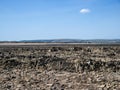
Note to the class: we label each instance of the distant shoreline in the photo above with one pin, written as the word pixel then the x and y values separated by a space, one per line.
pixel 59 44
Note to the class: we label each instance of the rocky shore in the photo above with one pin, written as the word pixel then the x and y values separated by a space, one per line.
pixel 71 67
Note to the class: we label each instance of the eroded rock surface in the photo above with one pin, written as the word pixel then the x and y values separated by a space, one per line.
pixel 73 67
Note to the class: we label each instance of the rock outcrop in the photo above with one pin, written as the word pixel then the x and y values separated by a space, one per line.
pixel 72 67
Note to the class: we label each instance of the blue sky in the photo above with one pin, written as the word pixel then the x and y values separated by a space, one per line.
pixel 59 19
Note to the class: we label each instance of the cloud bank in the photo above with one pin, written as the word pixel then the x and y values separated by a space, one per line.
pixel 85 10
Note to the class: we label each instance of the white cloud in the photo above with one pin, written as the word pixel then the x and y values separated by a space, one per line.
pixel 85 10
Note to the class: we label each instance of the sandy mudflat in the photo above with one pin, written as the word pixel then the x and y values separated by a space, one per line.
pixel 57 44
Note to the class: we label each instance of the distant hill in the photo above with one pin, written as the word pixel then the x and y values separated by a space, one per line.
pixel 74 41
pixel 99 41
